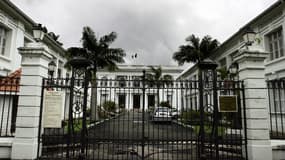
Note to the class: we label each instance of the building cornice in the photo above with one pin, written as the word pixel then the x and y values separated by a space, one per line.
pixel 217 52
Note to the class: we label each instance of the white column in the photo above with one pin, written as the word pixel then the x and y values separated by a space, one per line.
pixel 251 71
pixel 35 59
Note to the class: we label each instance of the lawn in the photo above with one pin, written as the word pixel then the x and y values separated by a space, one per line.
pixel 77 124
pixel 208 130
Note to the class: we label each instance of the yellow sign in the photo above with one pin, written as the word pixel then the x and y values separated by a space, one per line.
pixel 228 103
pixel 53 106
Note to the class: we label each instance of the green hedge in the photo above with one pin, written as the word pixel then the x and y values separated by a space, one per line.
pixel 192 116
pixel 109 106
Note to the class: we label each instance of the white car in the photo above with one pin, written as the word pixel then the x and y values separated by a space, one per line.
pixel 161 114
pixel 174 113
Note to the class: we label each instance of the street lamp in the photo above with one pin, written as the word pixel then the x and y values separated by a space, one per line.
pixel 234 69
pixel 39 32
pixel 51 68
pixel 248 36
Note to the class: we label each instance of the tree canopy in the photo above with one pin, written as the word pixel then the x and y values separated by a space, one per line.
pixel 98 50
pixel 195 50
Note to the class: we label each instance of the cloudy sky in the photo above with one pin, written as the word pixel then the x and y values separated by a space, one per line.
pixel 151 28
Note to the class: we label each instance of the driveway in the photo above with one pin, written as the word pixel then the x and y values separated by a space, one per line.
pixel 122 138
pixel 129 127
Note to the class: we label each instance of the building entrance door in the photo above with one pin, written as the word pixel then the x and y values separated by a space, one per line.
pixel 136 101
pixel 151 101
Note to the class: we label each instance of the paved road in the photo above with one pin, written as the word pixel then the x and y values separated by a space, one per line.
pixel 129 127
pixel 121 138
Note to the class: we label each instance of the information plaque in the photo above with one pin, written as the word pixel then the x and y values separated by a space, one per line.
pixel 228 103
pixel 53 105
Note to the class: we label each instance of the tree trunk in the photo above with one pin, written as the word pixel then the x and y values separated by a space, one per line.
pixel 93 107
pixel 157 94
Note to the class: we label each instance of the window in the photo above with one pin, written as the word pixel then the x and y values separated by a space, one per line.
pixel 3 40
pixel 59 69
pixel 275 44
pixel 276 97
pixel 104 98
pixel 122 101
pixel 104 81
pixel 136 81
pixel 169 99
pixel 121 81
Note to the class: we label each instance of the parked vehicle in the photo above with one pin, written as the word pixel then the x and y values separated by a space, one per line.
pixel 174 113
pixel 161 114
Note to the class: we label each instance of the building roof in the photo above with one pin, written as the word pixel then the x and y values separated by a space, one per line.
pixel 254 20
pixel 138 68
pixel 11 83
pixel 17 13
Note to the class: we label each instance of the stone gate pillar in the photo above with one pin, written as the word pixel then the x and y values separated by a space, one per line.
pixel 251 71
pixel 35 59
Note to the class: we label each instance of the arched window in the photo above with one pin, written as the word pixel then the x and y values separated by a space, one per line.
pixel 136 81
pixel 104 81
pixel 121 81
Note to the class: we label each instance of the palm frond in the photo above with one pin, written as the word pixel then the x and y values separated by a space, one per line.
pixel 195 50
pixel 108 39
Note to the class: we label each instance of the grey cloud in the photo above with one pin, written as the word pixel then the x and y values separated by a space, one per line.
pixel 152 28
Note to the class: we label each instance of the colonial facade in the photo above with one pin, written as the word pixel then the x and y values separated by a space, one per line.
pixel 124 87
pixel 16 30
pixel 260 65
pixel 20 53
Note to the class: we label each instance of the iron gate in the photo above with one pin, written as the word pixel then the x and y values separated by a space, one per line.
pixel 123 123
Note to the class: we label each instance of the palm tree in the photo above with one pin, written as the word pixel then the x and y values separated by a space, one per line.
pixel 98 50
pixel 224 73
pixel 196 50
pixel 157 79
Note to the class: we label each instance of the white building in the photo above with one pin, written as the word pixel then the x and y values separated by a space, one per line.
pixel 16 41
pixel 269 28
pixel 259 62
pixel 124 87
pixel 16 30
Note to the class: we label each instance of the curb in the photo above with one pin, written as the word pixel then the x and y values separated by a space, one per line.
pixel 102 121
pixel 184 125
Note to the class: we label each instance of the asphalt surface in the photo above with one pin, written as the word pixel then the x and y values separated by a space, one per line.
pixel 131 127
pixel 130 136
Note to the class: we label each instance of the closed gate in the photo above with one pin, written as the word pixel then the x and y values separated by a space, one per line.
pixel 133 117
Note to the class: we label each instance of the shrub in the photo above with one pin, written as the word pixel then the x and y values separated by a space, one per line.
pixel 193 116
pixel 109 106
pixel 165 104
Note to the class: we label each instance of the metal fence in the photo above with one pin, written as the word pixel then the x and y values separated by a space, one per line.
pixel 9 89
pixel 276 101
pixel 126 125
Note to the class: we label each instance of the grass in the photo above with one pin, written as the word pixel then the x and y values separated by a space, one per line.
pixel 77 124
pixel 208 130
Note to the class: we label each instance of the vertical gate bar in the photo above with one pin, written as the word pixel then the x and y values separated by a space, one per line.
pixel 201 108
pixel 269 90
pixel 282 122
pixel 143 116
pixel 84 129
pixel 70 112
pixel 244 120
pixel 275 110
pixel 40 120
pixel 280 106
pixel 216 113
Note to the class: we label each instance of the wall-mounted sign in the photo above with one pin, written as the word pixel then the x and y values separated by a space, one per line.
pixel 53 104
pixel 228 103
